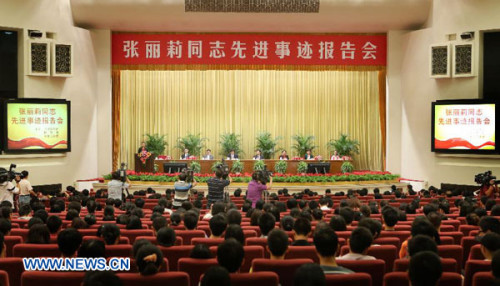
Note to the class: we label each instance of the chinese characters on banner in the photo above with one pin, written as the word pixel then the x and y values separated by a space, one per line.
pixel 248 49
pixel 464 116
pixel 41 119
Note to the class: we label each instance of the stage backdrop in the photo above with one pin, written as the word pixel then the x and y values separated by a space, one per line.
pixel 211 102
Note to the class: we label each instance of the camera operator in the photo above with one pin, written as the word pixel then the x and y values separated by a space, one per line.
pixel 216 186
pixel 488 189
pixel 116 186
pixel 25 189
pixel 7 188
pixel 182 188
pixel 257 185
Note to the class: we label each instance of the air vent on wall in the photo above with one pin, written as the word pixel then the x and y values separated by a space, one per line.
pixel 253 6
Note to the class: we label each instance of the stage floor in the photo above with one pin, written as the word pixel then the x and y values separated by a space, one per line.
pixel 292 187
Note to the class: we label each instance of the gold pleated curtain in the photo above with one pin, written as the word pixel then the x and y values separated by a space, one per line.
pixel 211 102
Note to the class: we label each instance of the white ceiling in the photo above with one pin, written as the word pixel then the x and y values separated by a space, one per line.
pixel 335 16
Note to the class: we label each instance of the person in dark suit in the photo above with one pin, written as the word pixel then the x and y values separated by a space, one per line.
pixel 258 155
pixel 309 155
pixel 142 148
pixel 283 155
pixel 186 155
pixel 232 156
pixel 208 155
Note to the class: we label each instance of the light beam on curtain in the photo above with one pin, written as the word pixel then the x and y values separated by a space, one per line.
pixel 211 102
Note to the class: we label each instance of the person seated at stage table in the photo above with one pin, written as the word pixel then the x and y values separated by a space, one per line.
pixel 208 155
pixel 309 155
pixel 142 148
pixel 232 155
pixel 335 156
pixel 283 155
pixel 186 154
pixel 258 155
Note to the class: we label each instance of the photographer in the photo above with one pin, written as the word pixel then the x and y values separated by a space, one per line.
pixel 25 189
pixel 182 188
pixel 257 185
pixel 488 189
pixel 116 186
pixel 7 188
pixel 216 186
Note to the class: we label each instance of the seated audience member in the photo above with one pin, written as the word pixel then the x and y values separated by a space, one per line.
pixel 200 251
pixel 425 269
pixel 216 276
pixel 266 223
pixel 277 244
pixel 421 243
pixel 216 208
pixel 5 226
pixel 134 223
pixel 435 219
pixel 489 224
pixel 309 274
pixel 33 221
pixel 3 249
pixel 326 243
pixel 390 217
pixel 166 237
pixel 138 244
pixel 158 223
pixel 230 255
pixel 490 243
pixel 90 219
pixel 374 226
pixel 93 248
pixel 359 242
pixel 233 217
pixel 68 241
pixel 420 225
pixel 175 219
pixel 25 212
pixel 108 213
pixel 365 211
pixel 301 231
pixel 217 226
pixel 190 220
pixel 149 259
pixel 43 215
pixel 38 234
pixel 348 214
pixel 337 223
pixel 78 223
pixel 110 233
pixel 287 223
pixel 317 214
pixel 101 278
pixel 235 231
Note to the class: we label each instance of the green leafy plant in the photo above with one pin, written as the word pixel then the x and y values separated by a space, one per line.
pixel 215 165
pixel 230 141
pixel 346 167
pixel 259 165
pixel 344 146
pixel 267 144
pixel 156 144
pixel 303 143
pixel 237 166
pixel 193 142
pixel 301 167
pixel 195 166
pixel 280 166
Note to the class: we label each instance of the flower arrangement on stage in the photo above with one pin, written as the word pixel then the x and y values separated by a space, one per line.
pixel 318 158
pixel 144 156
pixel 296 158
pixel 163 157
pixel 278 178
pixel 192 158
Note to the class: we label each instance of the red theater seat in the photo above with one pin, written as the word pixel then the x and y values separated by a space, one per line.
pixel 475 252
pixel 466 229
pixel 10 241
pixel 159 279
pixel 467 243
pixel 15 267
pixel 119 250
pixel 122 240
pixel 302 252
pixel 133 233
pixel 474 266
pixel 174 253
pixel 357 279
pixel 451 251
pixel 483 278
pixel 388 241
pixel 251 252
pixel 387 253
pixel 195 268
pixel 207 241
pixel 401 279
pixel 19 232
pixel 375 268
pixel 284 268
pixel 457 236
pixel 187 235
pixel 449 265
pixel 152 239
pixel 402 235
pixel 257 278
pixel 36 250
pixel 46 278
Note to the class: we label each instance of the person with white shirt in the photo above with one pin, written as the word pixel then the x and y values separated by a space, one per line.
pixel 116 186
pixel 186 154
pixel 7 188
pixel 258 155
pixel 208 155
pixel 25 189
pixel 232 155
pixel 361 239
pixel 323 203
pixel 335 156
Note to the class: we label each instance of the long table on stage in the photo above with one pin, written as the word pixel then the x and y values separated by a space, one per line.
pixel 206 165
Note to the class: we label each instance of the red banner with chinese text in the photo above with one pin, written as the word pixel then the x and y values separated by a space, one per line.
pixel 248 49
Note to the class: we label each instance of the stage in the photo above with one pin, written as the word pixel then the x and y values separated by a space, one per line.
pixel 320 188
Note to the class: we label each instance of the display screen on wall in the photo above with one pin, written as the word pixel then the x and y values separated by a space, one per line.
pixel 464 127
pixel 37 125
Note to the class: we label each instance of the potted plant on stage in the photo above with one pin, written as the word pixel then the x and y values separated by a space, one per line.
pixel 347 167
pixel 193 142
pixel 237 167
pixel 267 144
pixel 303 143
pixel 280 166
pixel 195 166
pixel 302 168
pixel 228 142
pixel 344 146
pixel 259 165
pixel 156 144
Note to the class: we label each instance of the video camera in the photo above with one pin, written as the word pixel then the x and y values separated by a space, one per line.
pixel 485 178
pixel 7 176
pixel 123 172
pixel 189 174
pixel 265 175
pixel 224 168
